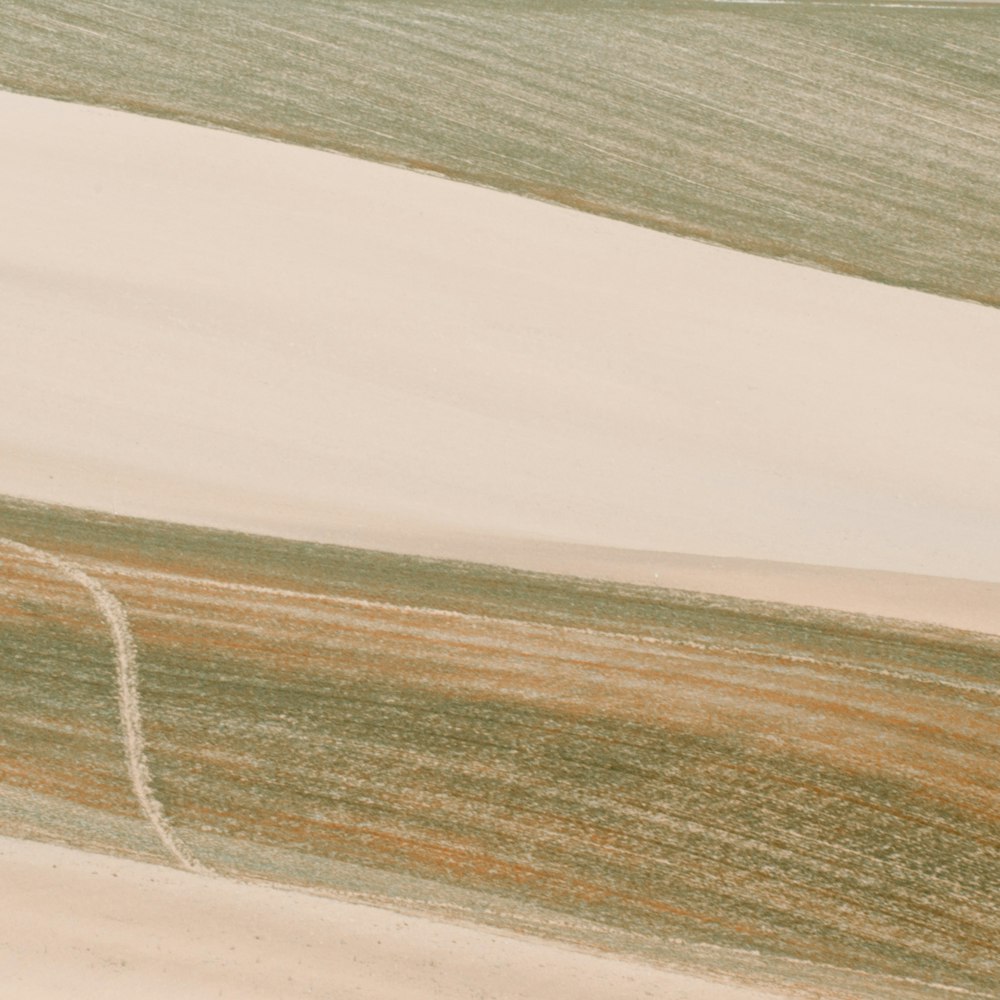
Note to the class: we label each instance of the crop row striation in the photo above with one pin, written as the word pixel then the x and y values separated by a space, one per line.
pixel 854 136
pixel 791 797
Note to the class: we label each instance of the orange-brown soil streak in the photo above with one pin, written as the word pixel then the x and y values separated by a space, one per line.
pixel 937 743
pixel 434 859
pixel 65 602
pixel 709 700
pixel 913 818
pixel 70 782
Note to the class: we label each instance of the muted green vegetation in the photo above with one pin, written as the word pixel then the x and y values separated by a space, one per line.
pixel 787 796
pixel 855 137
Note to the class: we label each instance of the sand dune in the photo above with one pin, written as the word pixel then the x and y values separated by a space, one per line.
pixel 214 329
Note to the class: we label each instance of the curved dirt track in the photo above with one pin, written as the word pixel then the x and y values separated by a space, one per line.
pixel 127 675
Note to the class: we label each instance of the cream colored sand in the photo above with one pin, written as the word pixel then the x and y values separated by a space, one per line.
pixel 90 927
pixel 203 327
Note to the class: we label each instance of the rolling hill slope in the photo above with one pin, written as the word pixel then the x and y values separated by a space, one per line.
pixel 792 798
pixel 205 327
pixel 211 328
pixel 854 136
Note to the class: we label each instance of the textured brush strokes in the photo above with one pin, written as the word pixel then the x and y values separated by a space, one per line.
pixel 855 137
pixel 775 794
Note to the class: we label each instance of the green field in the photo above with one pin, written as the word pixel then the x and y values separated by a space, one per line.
pixel 794 798
pixel 855 137
pixel 798 799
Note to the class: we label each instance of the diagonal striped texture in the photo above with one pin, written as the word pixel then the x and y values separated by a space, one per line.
pixel 860 137
pixel 126 673
pixel 791 797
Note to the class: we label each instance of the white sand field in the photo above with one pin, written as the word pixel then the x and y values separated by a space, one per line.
pixel 203 327
pixel 90 927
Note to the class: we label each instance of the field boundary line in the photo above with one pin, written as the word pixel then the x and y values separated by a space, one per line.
pixel 932 680
pixel 127 680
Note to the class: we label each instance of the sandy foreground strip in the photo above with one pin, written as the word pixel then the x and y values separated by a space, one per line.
pixel 89 926
pixel 207 328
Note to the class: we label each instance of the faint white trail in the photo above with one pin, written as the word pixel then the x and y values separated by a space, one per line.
pixel 913 675
pixel 128 696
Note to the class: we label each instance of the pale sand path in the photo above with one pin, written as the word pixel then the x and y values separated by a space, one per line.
pixel 207 328
pixel 82 925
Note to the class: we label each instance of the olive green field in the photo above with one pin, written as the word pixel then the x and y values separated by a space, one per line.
pixel 797 799
pixel 853 136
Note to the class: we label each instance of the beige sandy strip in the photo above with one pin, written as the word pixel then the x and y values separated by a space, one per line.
pixel 211 329
pixel 91 927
